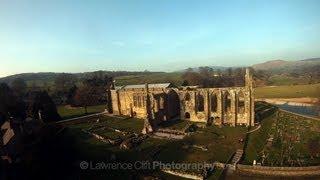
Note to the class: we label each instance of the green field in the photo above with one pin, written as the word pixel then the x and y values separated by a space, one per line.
pixel 256 141
pixel 294 91
pixel 66 112
pixel 174 77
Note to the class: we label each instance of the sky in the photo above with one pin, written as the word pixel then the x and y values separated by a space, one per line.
pixel 155 35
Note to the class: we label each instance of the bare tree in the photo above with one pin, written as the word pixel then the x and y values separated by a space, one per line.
pixel 86 96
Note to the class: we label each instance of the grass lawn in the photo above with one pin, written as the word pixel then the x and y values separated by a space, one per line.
pixel 257 140
pixel 67 113
pixel 176 125
pixel 220 142
pixel 124 124
pixel 294 91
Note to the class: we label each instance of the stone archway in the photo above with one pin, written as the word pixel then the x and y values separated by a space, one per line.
pixel 187 115
pixel 173 105
pixel 213 102
pixel 227 102
pixel 199 103
pixel 240 103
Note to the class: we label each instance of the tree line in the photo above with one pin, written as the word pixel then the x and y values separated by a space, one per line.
pixel 208 77
pixel 18 98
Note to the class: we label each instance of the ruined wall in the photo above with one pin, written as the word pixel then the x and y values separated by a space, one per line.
pixel 220 106
pixel 132 102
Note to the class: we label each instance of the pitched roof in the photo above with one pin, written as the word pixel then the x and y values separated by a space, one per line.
pixel 140 86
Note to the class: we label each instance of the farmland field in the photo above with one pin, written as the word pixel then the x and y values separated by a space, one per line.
pixel 292 91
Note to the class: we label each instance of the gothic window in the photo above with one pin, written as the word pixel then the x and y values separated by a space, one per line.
pixel 227 102
pixel 135 103
pixel 143 101
pixel 187 115
pixel 161 103
pixel 200 103
pixel 213 103
pixel 139 101
pixel 240 103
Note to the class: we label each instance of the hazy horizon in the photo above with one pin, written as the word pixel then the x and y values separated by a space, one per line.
pixel 64 36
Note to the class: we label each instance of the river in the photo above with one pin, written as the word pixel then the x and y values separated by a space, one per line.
pixel 300 109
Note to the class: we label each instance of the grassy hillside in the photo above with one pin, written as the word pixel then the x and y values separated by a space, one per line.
pixel 281 66
pixel 174 77
pixel 48 78
pixel 275 73
pixel 278 80
pixel 291 91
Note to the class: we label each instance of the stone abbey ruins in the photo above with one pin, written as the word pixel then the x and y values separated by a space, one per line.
pixel 163 102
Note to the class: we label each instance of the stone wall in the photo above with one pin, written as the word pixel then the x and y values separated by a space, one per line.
pixel 220 105
pixel 278 171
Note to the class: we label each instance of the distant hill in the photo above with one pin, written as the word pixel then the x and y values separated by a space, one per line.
pixel 281 72
pixel 275 72
pixel 49 77
pixel 281 66
pixel 270 65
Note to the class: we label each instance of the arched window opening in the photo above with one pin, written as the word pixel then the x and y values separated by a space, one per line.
pixel 161 103
pixel 213 103
pixel 139 101
pixel 241 103
pixel 200 103
pixel 135 101
pixel 187 115
pixel 227 102
pixel 173 104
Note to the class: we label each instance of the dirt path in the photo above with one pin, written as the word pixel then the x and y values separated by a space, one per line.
pixel 254 129
pixel 305 101
pixel 83 117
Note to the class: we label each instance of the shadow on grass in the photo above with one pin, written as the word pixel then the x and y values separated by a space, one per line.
pixel 77 115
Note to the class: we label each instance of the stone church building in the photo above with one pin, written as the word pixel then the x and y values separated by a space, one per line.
pixel 164 102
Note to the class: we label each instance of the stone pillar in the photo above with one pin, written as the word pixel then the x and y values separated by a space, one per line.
pixel 249 89
pixel 195 102
pixel 233 108
pixel 115 102
pixel 220 105
pixel 252 108
pixel 148 125
pixel 207 105
pixel 209 94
